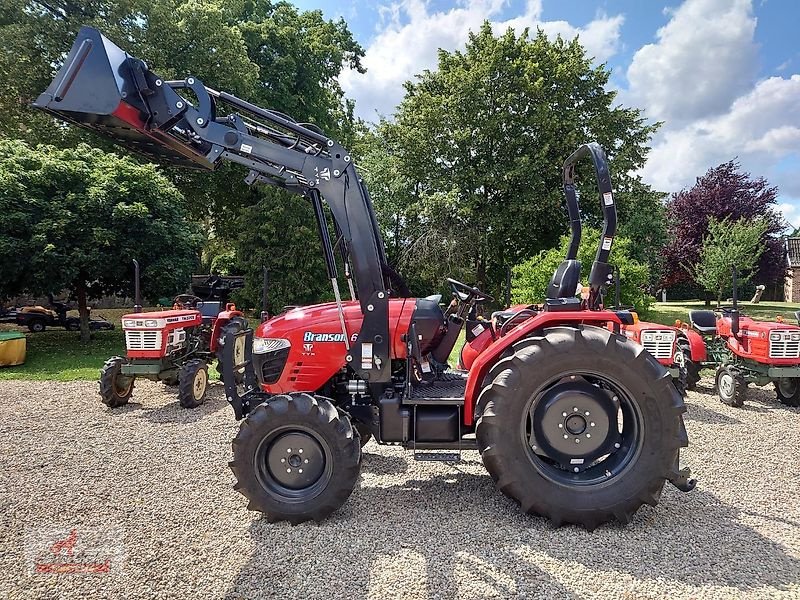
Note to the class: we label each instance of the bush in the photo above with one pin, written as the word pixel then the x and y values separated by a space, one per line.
pixel 530 279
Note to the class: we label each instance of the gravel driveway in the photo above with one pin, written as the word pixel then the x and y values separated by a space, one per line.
pixel 147 489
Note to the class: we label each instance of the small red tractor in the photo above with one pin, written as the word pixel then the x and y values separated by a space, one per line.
pixel 173 346
pixel 743 351
pixel 573 421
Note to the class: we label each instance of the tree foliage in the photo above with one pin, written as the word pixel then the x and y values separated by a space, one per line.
pixel 467 178
pixel 724 192
pixel 529 279
pixel 76 218
pixel 269 53
pixel 729 244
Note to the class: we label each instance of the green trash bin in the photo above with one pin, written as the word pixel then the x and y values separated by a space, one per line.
pixel 12 348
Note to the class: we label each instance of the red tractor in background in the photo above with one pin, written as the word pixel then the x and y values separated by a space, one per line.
pixel 572 420
pixel 743 351
pixel 173 346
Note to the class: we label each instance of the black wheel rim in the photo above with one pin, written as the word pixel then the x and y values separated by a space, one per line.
pixel 293 464
pixel 598 412
pixel 787 386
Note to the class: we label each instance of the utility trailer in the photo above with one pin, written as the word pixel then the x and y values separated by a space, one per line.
pixel 572 420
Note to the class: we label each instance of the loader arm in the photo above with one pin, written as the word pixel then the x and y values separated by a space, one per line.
pixel 102 88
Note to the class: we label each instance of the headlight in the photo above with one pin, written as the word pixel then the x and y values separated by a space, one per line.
pixel 151 323
pixel 775 336
pixel 796 337
pixel 265 345
pixel 647 336
pixel 129 323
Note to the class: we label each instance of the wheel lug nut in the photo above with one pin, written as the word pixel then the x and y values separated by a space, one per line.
pixel 566 436
pixel 283 460
pixel 588 435
pixel 616 445
pixel 563 414
pixel 288 470
pixel 560 425
pixel 586 413
pixel 299 470
pixel 574 409
pixel 305 460
pixel 288 451
pixel 591 424
pixel 576 469
pixel 577 441
pixel 300 451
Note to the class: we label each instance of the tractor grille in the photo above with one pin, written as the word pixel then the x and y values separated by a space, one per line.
pixel 784 344
pixel 272 364
pixel 143 340
pixel 658 343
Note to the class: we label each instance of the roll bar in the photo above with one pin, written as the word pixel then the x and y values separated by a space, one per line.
pixel 601 273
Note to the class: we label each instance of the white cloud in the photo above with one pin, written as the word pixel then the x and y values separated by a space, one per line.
pixel 760 129
pixel 411 34
pixel 704 58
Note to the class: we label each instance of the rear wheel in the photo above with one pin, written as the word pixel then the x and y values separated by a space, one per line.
pixel 192 383
pixel 296 458
pixel 692 368
pixel 36 325
pixel 788 390
pixel 580 425
pixel 115 388
pixel 730 386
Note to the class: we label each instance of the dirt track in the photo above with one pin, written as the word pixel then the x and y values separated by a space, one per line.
pixel 147 488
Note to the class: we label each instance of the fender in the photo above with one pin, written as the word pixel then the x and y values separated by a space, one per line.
pixel 222 319
pixel 471 350
pixel 696 345
pixel 493 353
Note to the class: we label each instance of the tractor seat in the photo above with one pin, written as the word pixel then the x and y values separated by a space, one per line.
pixel 564 283
pixel 704 321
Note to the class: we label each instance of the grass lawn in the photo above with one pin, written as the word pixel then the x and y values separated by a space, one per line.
pixel 59 355
pixel 667 312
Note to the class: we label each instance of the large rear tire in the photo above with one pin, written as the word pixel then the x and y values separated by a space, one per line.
pixel 788 390
pixel 296 458
pixel 115 388
pixel 590 385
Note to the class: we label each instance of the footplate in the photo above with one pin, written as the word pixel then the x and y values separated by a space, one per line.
pixel 437 456
pixel 236 359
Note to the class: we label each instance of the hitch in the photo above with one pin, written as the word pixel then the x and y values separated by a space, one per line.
pixel 682 479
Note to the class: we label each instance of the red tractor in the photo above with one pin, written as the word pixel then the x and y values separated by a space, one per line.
pixel 572 420
pixel 174 346
pixel 743 351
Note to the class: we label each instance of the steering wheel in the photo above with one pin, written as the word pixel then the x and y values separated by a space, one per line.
pixel 468 293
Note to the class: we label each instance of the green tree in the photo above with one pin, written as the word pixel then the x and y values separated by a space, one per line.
pixel 269 53
pixel 729 244
pixel 76 219
pixel 529 279
pixel 476 150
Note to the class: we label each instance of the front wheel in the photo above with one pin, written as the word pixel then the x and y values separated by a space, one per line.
pixel 36 326
pixel 115 388
pixel 295 458
pixel 580 425
pixel 192 383
pixel 692 368
pixel 788 390
pixel 730 386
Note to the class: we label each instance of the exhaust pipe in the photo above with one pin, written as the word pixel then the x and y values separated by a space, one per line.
pixel 137 295
pixel 735 298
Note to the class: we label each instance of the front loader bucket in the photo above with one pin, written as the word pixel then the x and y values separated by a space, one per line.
pixel 102 88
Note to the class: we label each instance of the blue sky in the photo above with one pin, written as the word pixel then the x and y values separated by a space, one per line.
pixel 723 75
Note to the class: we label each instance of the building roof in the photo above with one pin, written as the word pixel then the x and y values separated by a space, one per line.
pixel 793 251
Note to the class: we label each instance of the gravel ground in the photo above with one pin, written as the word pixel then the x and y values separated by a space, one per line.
pixel 147 489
